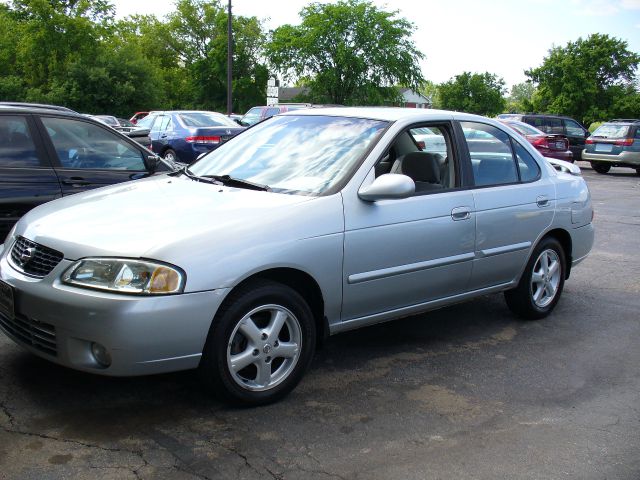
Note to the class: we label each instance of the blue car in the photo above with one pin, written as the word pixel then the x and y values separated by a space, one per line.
pixel 183 135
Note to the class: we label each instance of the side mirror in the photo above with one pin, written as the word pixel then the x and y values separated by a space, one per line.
pixel 153 162
pixel 388 186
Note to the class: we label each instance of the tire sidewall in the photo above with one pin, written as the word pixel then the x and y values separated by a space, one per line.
pixel 215 355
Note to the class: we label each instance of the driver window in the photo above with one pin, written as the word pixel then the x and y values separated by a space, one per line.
pixel 423 153
pixel 83 145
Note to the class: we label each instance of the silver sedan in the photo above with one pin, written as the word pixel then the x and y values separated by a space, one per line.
pixel 308 224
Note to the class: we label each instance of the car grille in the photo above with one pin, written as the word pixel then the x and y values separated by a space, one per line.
pixel 39 335
pixel 34 259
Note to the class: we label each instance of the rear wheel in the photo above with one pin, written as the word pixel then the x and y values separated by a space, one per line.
pixel 260 344
pixel 638 171
pixel 541 284
pixel 170 155
pixel 601 167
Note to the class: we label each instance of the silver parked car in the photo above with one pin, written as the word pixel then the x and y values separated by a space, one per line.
pixel 295 229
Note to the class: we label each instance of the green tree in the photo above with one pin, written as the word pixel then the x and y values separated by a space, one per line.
pixel 348 53
pixel 586 79
pixel 430 90
pixel 199 38
pixel 480 93
pixel 521 97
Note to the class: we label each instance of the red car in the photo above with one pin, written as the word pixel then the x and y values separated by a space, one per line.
pixel 138 116
pixel 549 145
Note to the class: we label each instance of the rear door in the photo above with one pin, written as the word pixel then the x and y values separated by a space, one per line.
pixel 514 204
pixel 87 155
pixel 27 178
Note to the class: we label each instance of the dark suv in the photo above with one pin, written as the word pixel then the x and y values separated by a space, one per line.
pixel 46 153
pixel 556 125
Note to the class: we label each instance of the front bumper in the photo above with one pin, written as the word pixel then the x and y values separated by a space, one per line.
pixel 143 334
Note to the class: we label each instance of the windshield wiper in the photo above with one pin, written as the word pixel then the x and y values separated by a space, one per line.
pixel 185 171
pixel 237 182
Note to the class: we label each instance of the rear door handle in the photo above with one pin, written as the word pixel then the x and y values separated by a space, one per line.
pixel 461 213
pixel 542 201
pixel 76 182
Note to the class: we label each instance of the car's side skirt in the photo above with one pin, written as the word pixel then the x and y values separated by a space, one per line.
pixel 414 309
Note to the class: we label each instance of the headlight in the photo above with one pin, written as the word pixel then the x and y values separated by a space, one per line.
pixel 125 276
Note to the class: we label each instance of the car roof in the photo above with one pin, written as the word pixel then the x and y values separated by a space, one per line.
pixel 391 114
pixel 39 106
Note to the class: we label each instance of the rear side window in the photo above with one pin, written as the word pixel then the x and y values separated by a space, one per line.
pixel 491 156
pixel 554 126
pixel 83 145
pixel 573 128
pixel 16 145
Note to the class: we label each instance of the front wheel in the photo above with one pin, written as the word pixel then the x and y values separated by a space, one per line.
pixel 261 342
pixel 541 284
pixel 601 167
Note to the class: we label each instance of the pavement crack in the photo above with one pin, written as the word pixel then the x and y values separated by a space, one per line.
pixel 7 412
pixel 44 436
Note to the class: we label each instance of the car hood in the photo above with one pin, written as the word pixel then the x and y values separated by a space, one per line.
pixel 160 217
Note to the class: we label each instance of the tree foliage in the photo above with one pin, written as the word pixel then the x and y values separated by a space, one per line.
pixel 589 79
pixel 480 93
pixel 74 53
pixel 348 53
pixel 520 98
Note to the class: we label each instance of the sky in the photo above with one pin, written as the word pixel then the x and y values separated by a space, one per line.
pixel 504 37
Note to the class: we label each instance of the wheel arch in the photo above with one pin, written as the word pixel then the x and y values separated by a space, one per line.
pixel 564 237
pixel 301 282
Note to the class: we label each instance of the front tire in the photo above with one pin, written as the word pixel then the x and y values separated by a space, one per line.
pixel 601 167
pixel 261 342
pixel 541 285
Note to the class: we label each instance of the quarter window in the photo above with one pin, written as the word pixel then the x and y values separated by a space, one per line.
pixel 85 145
pixel 491 155
pixel 529 169
pixel 16 145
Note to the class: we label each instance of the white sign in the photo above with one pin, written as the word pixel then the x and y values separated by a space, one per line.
pixel 272 100
pixel 271 82
pixel 272 92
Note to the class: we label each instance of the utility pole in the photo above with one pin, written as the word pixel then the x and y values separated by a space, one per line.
pixel 229 62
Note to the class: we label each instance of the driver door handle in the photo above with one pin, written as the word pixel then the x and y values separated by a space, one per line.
pixel 461 213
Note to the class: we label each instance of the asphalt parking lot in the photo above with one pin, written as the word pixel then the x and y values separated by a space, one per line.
pixel 465 392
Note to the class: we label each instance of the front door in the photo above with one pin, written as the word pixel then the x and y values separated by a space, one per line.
pixel 406 252
pixel 90 156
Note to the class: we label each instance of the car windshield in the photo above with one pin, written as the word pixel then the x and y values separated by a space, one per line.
pixel 611 130
pixel 204 119
pixel 294 154
pixel 252 116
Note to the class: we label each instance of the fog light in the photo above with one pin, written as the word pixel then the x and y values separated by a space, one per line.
pixel 100 354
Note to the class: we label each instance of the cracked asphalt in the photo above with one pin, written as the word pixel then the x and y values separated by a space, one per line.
pixel 464 392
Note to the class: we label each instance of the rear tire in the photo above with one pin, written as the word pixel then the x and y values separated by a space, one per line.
pixel 260 344
pixel 541 285
pixel 170 155
pixel 638 171
pixel 601 167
